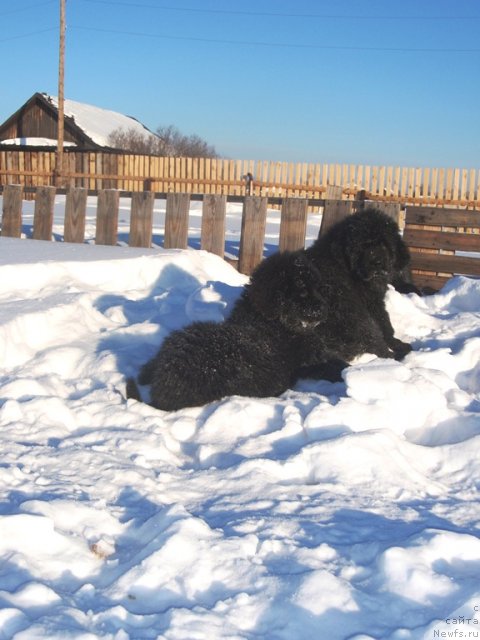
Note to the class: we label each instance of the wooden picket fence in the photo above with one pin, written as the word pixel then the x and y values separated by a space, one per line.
pixel 439 238
pixel 97 170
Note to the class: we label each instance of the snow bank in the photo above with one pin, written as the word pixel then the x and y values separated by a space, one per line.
pixel 339 511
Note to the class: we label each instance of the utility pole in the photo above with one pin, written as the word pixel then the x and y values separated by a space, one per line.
pixel 59 168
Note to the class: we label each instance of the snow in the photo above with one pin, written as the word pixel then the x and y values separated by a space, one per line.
pixel 32 142
pixel 99 123
pixel 337 511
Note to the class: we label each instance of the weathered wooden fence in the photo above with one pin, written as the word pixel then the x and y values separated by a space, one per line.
pixel 98 170
pixel 442 242
pixel 438 237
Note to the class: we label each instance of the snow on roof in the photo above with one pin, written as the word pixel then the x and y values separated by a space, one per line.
pixel 35 142
pixel 99 123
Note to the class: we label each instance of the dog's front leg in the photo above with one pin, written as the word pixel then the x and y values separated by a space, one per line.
pixel 398 347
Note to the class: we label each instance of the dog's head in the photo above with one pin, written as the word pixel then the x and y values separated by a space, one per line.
pixel 371 262
pixel 370 245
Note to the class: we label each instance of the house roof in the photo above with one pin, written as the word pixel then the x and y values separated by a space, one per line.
pixel 92 125
pixel 98 123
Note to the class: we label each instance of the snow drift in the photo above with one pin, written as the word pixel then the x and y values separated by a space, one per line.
pixel 336 511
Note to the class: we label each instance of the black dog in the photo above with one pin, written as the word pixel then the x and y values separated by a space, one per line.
pixel 334 292
pixel 304 313
pixel 246 355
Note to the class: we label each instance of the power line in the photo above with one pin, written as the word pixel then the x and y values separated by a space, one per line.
pixel 276 44
pixel 271 14
pixel 28 35
pixel 30 6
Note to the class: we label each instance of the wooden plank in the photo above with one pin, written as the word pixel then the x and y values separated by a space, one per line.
pixel 375 180
pixel 426 183
pixel 418 183
pixel 381 181
pixel 429 282
pixel 360 183
pixel 254 218
pixel 75 214
pixel 12 211
pixel 463 185
pixel 178 186
pixel 213 224
pixel 283 178
pixel 352 184
pixel 441 184
pixel 471 185
pixel 367 179
pixel 338 174
pixel 429 239
pixel 449 185
pixel 456 184
pixel 293 224
pixel 43 213
pixel 404 185
pixel 107 217
pixel 391 209
pixel 442 216
pixel 141 219
pixel 176 221
pixel 333 192
pixel 434 184
pixel 411 182
pixel 445 263
pixel 334 211
pixel 389 191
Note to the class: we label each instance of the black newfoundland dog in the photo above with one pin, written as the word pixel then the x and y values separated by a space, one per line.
pixel 306 313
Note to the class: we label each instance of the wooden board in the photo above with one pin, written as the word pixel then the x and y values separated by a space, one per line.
pixel 442 216
pixel 141 219
pixel 43 213
pixel 75 214
pixel 213 224
pixel 107 217
pixel 293 224
pixel 12 211
pixel 429 239
pixel 439 263
pixel 176 221
pixel 334 211
pixel 254 218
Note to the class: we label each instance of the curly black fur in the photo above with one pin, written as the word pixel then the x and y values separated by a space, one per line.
pixel 333 293
pixel 246 355
pixel 304 313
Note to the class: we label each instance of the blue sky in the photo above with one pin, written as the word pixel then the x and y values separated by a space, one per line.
pixel 349 81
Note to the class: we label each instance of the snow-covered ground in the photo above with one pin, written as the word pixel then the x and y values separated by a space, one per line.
pixel 337 511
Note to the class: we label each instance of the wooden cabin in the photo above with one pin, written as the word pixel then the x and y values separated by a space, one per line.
pixel 86 127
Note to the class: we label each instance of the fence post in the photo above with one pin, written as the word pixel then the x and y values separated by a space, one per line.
pixel 176 221
pixel 107 217
pixel 75 214
pixel 333 212
pixel 254 218
pixel 12 211
pixel 213 224
pixel 141 219
pixel 391 209
pixel 293 224
pixel 333 192
pixel 43 213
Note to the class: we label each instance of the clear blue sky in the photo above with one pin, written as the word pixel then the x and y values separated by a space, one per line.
pixel 351 81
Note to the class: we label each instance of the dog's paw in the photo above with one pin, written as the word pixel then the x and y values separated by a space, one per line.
pixel 400 349
pixel 132 391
